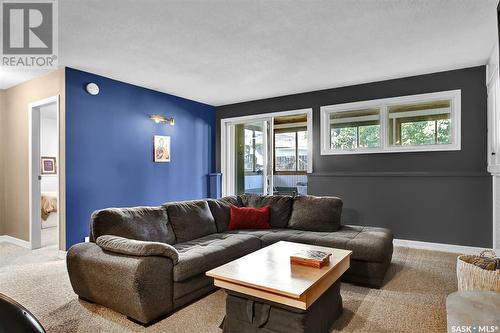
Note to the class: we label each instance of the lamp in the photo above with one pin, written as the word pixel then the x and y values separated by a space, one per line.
pixel 158 118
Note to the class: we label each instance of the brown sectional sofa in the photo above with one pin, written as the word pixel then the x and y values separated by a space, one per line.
pixel 159 259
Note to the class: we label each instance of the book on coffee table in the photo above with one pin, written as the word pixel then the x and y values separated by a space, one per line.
pixel 313 258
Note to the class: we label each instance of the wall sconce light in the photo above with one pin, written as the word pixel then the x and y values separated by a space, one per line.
pixel 158 118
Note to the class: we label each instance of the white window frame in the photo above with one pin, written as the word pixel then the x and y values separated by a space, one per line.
pixel 383 105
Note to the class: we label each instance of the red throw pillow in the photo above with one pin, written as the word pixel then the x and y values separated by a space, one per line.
pixel 249 218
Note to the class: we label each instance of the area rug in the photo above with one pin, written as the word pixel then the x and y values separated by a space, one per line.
pixel 412 300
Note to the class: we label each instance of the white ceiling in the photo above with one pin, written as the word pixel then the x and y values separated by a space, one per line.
pixel 227 51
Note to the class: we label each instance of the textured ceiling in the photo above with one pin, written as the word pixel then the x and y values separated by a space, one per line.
pixel 227 51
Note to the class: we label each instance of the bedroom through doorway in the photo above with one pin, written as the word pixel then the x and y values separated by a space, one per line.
pixel 44 170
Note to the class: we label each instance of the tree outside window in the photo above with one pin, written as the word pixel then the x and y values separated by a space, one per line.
pixel 355 129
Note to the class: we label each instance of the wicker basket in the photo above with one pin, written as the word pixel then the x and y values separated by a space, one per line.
pixel 471 277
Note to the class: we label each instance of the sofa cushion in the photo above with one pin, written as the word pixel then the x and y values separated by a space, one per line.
pixel 221 211
pixel 275 235
pixel 366 243
pixel 200 255
pixel 371 243
pixel 190 219
pixel 140 223
pixel 280 207
pixel 316 213
pixel 253 232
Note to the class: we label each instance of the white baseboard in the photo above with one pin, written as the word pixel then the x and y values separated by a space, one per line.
pixel 61 254
pixel 460 249
pixel 15 241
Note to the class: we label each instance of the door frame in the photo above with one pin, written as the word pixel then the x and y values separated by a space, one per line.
pixel 227 145
pixel 34 126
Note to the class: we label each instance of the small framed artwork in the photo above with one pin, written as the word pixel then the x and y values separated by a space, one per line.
pixel 48 165
pixel 161 148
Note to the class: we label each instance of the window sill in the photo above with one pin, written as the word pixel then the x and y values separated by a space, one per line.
pixel 407 149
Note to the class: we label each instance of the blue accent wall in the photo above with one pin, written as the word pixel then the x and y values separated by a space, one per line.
pixel 109 149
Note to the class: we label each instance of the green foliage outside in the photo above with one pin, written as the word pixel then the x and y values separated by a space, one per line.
pixel 424 132
pixel 347 137
pixel 412 134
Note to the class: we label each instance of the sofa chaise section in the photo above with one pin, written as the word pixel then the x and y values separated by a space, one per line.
pixel 372 248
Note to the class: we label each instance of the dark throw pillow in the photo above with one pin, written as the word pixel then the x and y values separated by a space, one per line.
pixel 316 213
pixel 280 207
pixel 190 219
pixel 249 218
pixel 221 211
pixel 140 223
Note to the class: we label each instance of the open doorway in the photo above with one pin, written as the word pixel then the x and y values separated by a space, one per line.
pixel 44 173
pixel 267 154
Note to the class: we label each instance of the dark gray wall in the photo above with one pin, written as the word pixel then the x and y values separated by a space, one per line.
pixel 442 197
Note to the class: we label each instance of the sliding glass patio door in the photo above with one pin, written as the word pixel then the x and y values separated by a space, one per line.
pixel 266 154
pixel 249 157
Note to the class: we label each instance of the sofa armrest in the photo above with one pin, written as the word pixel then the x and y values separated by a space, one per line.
pixel 137 248
pixel 140 287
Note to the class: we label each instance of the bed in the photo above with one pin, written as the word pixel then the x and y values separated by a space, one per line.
pixel 49 209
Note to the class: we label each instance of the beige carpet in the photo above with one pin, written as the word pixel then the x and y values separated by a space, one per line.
pixel 49 236
pixel 412 300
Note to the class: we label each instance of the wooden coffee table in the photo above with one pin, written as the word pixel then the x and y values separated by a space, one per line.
pixel 268 277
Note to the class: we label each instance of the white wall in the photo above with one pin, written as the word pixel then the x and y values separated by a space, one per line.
pixel 2 159
pixel 48 143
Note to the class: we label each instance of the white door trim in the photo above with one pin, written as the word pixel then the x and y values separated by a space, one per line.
pixel 34 170
pixel 226 139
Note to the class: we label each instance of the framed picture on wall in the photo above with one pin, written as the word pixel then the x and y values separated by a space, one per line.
pixel 48 165
pixel 161 148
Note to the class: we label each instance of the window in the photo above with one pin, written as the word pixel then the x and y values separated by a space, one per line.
pixel 411 123
pixel 355 129
pixel 290 150
pixel 420 124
